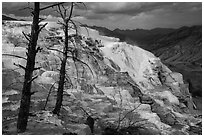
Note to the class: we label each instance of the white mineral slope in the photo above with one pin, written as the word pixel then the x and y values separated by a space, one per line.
pixel 132 59
pixel 139 64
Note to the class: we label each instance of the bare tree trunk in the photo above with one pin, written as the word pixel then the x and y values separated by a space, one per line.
pixel 26 91
pixel 62 74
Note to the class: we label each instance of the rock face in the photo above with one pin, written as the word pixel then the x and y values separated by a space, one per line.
pixel 160 88
pixel 125 89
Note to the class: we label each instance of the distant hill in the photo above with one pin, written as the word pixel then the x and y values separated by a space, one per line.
pixel 4 17
pixel 184 42
pixel 141 37
pixel 181 50
pixel 106 32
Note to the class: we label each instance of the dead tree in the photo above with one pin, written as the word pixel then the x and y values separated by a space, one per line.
pixel 30 67
pixel 32 50
pixel 68 51
pixel 65 25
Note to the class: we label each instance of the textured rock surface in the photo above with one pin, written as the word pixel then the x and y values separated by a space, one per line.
pixel 126 89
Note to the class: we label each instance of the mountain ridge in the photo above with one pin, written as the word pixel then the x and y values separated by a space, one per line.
pixel 139 36
pixel 4 17
pixel 7 18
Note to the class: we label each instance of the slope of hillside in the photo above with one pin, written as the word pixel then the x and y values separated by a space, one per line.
pixel 186 41
pixel 140 37
pixel 4 17
pixel 180 49
pixel 143 37
pixel 126 89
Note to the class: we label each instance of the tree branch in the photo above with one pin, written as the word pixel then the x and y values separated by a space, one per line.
pixel 38 49
pixel 70 15
pixel 76 71
pixel 83 26
pixel 33 79
pixel 18 65
pixel 60 12
pixel 75 26
pixel 41 19
pixel 82 63
pixel 130 112
pixel 37 68
pixel 26 36
pixel 55 50
pixel 48 95
pixel 51 6
pixel 67 77
pixel 14 56
pixel 42 27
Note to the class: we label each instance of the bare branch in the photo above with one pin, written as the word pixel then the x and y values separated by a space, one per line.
pixel 37 68
pixel 51 6
pixel 38 49
pixel 77 5
pixel 69 79
pixel 121 104
pixel 14 56
pixel 76 70
pixel 130 112
pixel 75 26
pixel 18 65
pixel 83 26
pixel 71 10
pixel 58 57
pixel 26 36
pixel 31 93
pixel 41 19
pixel 55 50
pixel 33 79
pixel 48 95
pixel 96 62
pixel 60 12
pixel 65 10
pixel 42 27
pixel 61 23
pixel 82 4
pixel 82 63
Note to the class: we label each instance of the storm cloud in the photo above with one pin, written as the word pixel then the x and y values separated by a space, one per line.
pixel 125 15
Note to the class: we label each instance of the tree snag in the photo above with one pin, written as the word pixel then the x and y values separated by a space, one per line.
pixel 26 91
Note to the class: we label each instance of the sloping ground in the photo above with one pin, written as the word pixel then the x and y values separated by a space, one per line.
pixel 182 52
pixel 4 17
pixel 127 93
pixel 180 49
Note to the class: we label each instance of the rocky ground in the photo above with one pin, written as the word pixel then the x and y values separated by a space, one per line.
pixel 114 100
pixel 104 104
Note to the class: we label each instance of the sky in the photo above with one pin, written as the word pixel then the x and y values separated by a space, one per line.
pixel 123 15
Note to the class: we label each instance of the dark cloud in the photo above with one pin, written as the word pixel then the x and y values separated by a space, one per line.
pixel 135 8
pixel 124 14
pixel 16 8
pixel 22 8
pixel 130 8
